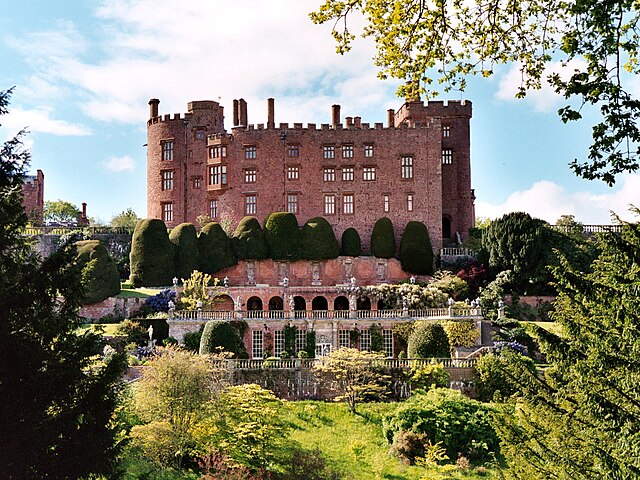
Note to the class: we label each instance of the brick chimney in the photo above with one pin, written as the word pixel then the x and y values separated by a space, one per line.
pixel 153 108
pixel 391 118
pixel 242 112
pixel 236 117
pixel 335 115
pixel 271 119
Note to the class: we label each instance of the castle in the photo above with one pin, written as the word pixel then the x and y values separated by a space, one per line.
pixel 417 167
pixel 33 197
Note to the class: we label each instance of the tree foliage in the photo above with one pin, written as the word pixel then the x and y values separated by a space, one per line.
pixel 428 340
pixel 443 42
pixel 125 219
pixel 248 240
pixel 282 235
pixel 60 211
pixel 214 249
pixel 220 335
pixel 185 240
pixel 318 241
pixel 57 415
pixel 152 255
pixel 416 252
pixel 582 419
pixel 351 244
pixel 100 277
pixel 383 240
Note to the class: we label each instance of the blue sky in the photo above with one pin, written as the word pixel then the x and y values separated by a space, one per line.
pixel 84 71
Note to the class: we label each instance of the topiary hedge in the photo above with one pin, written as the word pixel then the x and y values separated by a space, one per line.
pixel 318 240
pixel 248 240
pixel 351 244
pixel 214 249
pixel 416 253
pixel 383 241
pixel 100 277
pixel 217 334
pixel 185 239
pixel 282 234
pixel 428 340
pixel 151 255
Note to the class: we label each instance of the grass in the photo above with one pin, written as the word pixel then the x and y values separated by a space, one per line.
pixel 137 292
pixel 355 444
pixel 552 327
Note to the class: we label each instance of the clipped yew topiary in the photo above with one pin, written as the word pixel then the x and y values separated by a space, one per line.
pixel 383 242
pixel 282 233
pixel 151 255
pixel 248 240
pixel 100 277
pixel 185 239
pixel 214 248
pixel 416 253
pixel 428 340
pixel 219 334
pixel 318 240
pixel 351 244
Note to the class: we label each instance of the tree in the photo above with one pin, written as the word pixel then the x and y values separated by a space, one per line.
pixel 352 375
pixel 416 252
pixel 100 277
pixel 214 249
pixel 383 241
pixel 582 418
pixel 282 235
pixel 428 340
pixel 248 240
pixel 218 334
pixel 60 211
pixel 125 219
pixel 57 415
pixel 185 240
pixel 442 42
pixel 351 245
pixel 318 241
pixel 151 255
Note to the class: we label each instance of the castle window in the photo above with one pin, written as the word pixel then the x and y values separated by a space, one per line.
pixel 278 342
pixel 256 343
pixel 167 150
pixel 250 175
pixel 200 134
pixel 347 151
pixel 329 174
pixel 328 151
pixel 446 131
pixel 385 202
pixel 213 208
pixel 250 205
pixel 447 157
pixel 387 341
pixel 292 202
pixel 167 212
pixel 218 175
pixel 365 340
pixel 410 202
pixel 218 151
pixel 347 174
pixel 368 151
pixel 293 173
pixel 197 182
pixel 250 151
pixel 167 180
pixel 293 151
pixel 329 204
pixel 407 167
pixel 347 203
pixel 343 338
pixel 223 151
pixel 369 173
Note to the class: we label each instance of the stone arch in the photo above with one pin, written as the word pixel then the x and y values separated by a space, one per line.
pixel 319 303
pixel 276 303
pixel 446 227
pixel 341 303
pixel 382 305
pixel 299 306
pixel 363 303
pixel 223 303
pixel 254 303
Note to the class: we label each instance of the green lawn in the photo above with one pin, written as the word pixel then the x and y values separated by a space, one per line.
pixel 552 327
pixel 138 292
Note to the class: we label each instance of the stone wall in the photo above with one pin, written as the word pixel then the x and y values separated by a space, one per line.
pixel 117 307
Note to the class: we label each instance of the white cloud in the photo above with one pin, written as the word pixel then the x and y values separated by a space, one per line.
pixel 120 164
pixel 545 99
pixel 39 121
pixel 548 200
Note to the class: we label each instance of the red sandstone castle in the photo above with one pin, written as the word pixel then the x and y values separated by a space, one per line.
pixel 351 173
pixel 33 197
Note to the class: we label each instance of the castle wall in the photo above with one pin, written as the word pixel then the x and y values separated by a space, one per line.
pixel 33 197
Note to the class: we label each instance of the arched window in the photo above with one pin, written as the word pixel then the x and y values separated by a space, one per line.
pixel 319 303
pixel 254 303
pixel 446 227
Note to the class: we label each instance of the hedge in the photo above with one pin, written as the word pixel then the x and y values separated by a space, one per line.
pixel 185 239
pixel 416 253
pixel 248 240
pixel 428 340
pixel 282 235
pixel 351 244
pixel 214 249
pixel 318 240
pixel 151 255
pixel 100 277
pixel 218 333
pixel 383 242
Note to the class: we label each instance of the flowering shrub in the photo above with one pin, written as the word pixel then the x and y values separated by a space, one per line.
pixel 515 346
pixel 461 333
pixel 417 296
pixel 160 301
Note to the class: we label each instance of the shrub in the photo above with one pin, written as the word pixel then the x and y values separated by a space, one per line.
pixel 214 249
pixel 430 376
pixel 151 255
pixel 191 340
pixel 248 240
pixel 351 244
pixel 461 425
pixel 133 332
pixel 461 333
pixel 492 382
pixel 282 235
pixel 185 239
pixel 428 340
pixel 408 446
pixel 318 241
pixel 100 277
pixel 160 301
pixel 416 252
pixel 454 286
pixel 194 290
pixel 218 334
pixel 383 241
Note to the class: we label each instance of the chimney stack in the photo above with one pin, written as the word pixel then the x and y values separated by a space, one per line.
pixel 391 118
pixel 335 116
pixel 348 121
pixel 153 108
pixel 242 111
pixel 271 119
pixel 236 117
pixel 357 121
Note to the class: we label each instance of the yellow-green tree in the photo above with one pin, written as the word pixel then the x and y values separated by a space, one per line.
pixel 195 289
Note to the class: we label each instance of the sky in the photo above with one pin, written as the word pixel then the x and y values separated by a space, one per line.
pixel 84 71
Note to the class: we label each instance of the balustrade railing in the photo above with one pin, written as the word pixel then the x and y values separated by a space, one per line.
pixel 53 230
pixel 471 312
pixel 299 363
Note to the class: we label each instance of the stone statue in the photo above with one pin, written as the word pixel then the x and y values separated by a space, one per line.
pixel 150 332
pixel 352 302
pixel 237 303
pixel 292 303
pixel 353 281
